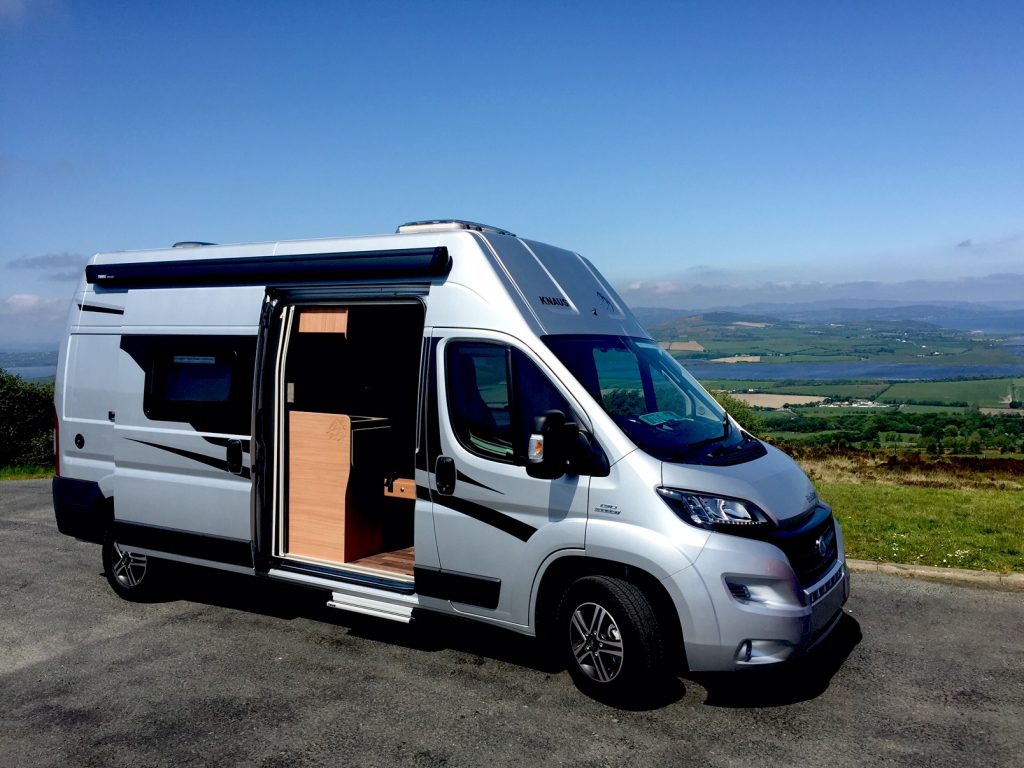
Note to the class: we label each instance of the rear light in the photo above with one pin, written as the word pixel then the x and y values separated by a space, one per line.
pixel 56 443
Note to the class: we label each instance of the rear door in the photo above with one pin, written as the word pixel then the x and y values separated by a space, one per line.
pixel 181 445
pixel 494 524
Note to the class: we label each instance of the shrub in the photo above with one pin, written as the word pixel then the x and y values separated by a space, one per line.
pixel 747 417
pixel 26 421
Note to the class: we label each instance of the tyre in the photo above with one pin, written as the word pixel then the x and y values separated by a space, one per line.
pixel 131 575
pixel 610 639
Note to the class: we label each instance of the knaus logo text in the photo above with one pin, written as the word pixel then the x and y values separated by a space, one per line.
pixel 553 301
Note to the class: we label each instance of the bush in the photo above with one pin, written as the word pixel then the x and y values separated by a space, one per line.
pixel 745 414
pixel 26 421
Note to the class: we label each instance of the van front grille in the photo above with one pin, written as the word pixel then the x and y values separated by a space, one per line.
pixel 811 547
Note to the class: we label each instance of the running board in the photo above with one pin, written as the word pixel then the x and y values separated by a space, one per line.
pixel 371 607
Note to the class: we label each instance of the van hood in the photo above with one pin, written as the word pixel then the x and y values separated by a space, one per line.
pixel 774 482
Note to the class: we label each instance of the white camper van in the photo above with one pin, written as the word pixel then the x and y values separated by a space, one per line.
pixel 450 418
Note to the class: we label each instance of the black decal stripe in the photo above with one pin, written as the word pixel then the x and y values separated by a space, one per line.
pixel 202 458
pixel 219 549
pixel 488 516
pixel 98 308
pixel 422 492
pixel 471 481
pixel 458 587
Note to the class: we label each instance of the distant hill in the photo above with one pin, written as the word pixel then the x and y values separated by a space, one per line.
pixel 962 317
pixel 27 359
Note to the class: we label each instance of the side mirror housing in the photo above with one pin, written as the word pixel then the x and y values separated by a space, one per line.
pixel 552 445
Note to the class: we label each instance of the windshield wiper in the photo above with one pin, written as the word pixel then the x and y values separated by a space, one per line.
pixel 693 448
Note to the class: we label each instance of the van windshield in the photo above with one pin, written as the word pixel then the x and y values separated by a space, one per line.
pixel 648 394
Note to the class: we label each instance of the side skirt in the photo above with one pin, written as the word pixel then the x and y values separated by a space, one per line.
pixel 215 550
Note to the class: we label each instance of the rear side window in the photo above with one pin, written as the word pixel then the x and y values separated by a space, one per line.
pixel 205 381
pixel 494 393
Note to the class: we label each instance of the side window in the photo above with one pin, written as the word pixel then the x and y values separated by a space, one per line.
pixel 204 381
pixel 479 398
pixel 494 393
pixel 535 394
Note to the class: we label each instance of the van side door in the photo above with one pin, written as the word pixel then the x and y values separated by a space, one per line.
pixel 182 432
pixel 495 524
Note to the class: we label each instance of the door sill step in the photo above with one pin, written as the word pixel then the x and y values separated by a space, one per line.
pixel 370 607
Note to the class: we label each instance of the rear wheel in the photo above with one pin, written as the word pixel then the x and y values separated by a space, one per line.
pixel 610 639
pixel 131 575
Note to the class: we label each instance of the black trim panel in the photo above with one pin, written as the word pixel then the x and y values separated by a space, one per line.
pixel 458 587
pixel 395 264
pixel 202 458
pixel 219 549
pixel 81 509
pixel 488 516
pixel 98 308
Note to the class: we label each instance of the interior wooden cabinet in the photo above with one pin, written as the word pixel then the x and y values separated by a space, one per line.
pixel 351 380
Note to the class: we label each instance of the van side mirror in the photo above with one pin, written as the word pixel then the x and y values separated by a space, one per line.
pixel 551 444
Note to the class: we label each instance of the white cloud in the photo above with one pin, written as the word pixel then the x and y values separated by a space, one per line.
pixel 26 318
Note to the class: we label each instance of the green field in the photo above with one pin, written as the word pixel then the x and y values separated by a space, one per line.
pixel 989 393
pixel 782 341
pixel 955 528
pixel 915 396
pixel 904 408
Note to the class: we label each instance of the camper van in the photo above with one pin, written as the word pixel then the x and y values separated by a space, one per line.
pixel 451 419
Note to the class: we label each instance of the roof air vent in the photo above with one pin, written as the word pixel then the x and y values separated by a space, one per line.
pixel 449 225
pixel 190 244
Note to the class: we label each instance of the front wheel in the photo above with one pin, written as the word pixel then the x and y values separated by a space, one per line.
pixel 610 639
pixel 131 575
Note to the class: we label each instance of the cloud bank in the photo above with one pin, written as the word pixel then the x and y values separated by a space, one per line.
pixel 26 318
pixel 60 267
pixel 683 294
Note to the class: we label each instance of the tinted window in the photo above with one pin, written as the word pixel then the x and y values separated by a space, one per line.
pixel 494 393
pixel 205 381
pixel 648 394
pixel 479 398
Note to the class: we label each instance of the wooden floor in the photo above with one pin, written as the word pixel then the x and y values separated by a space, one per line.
pixel 399 561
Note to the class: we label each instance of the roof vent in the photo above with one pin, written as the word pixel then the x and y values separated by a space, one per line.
pixel 190 244
pixel 449 225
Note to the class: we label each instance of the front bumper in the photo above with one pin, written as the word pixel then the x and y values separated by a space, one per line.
pixel 756 611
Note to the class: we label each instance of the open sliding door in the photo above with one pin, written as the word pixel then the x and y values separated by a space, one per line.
pixel 346 382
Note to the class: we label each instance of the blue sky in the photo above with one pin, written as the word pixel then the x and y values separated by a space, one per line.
pixel 677 145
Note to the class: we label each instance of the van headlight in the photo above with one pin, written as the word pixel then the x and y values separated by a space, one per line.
pixel 715 513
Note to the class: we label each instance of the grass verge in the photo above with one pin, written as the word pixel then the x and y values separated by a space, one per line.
pixel 25 473
pixel 955 528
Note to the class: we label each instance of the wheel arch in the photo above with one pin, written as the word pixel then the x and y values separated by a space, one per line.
pixel 561 572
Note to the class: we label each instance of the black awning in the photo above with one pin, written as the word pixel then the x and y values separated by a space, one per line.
pixel 401 264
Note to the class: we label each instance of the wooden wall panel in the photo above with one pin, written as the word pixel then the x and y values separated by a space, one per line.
pixel 324 320
pixel 319 464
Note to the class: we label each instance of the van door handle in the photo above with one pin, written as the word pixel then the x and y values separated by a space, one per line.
pixel 444 475
pixel 235 456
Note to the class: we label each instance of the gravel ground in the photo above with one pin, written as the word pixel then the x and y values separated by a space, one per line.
pixel 235 671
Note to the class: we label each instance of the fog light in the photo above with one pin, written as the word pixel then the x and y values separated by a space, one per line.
pixel 744 651
pixel 739 591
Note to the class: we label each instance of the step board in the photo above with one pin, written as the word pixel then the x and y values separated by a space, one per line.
pixel 371 607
